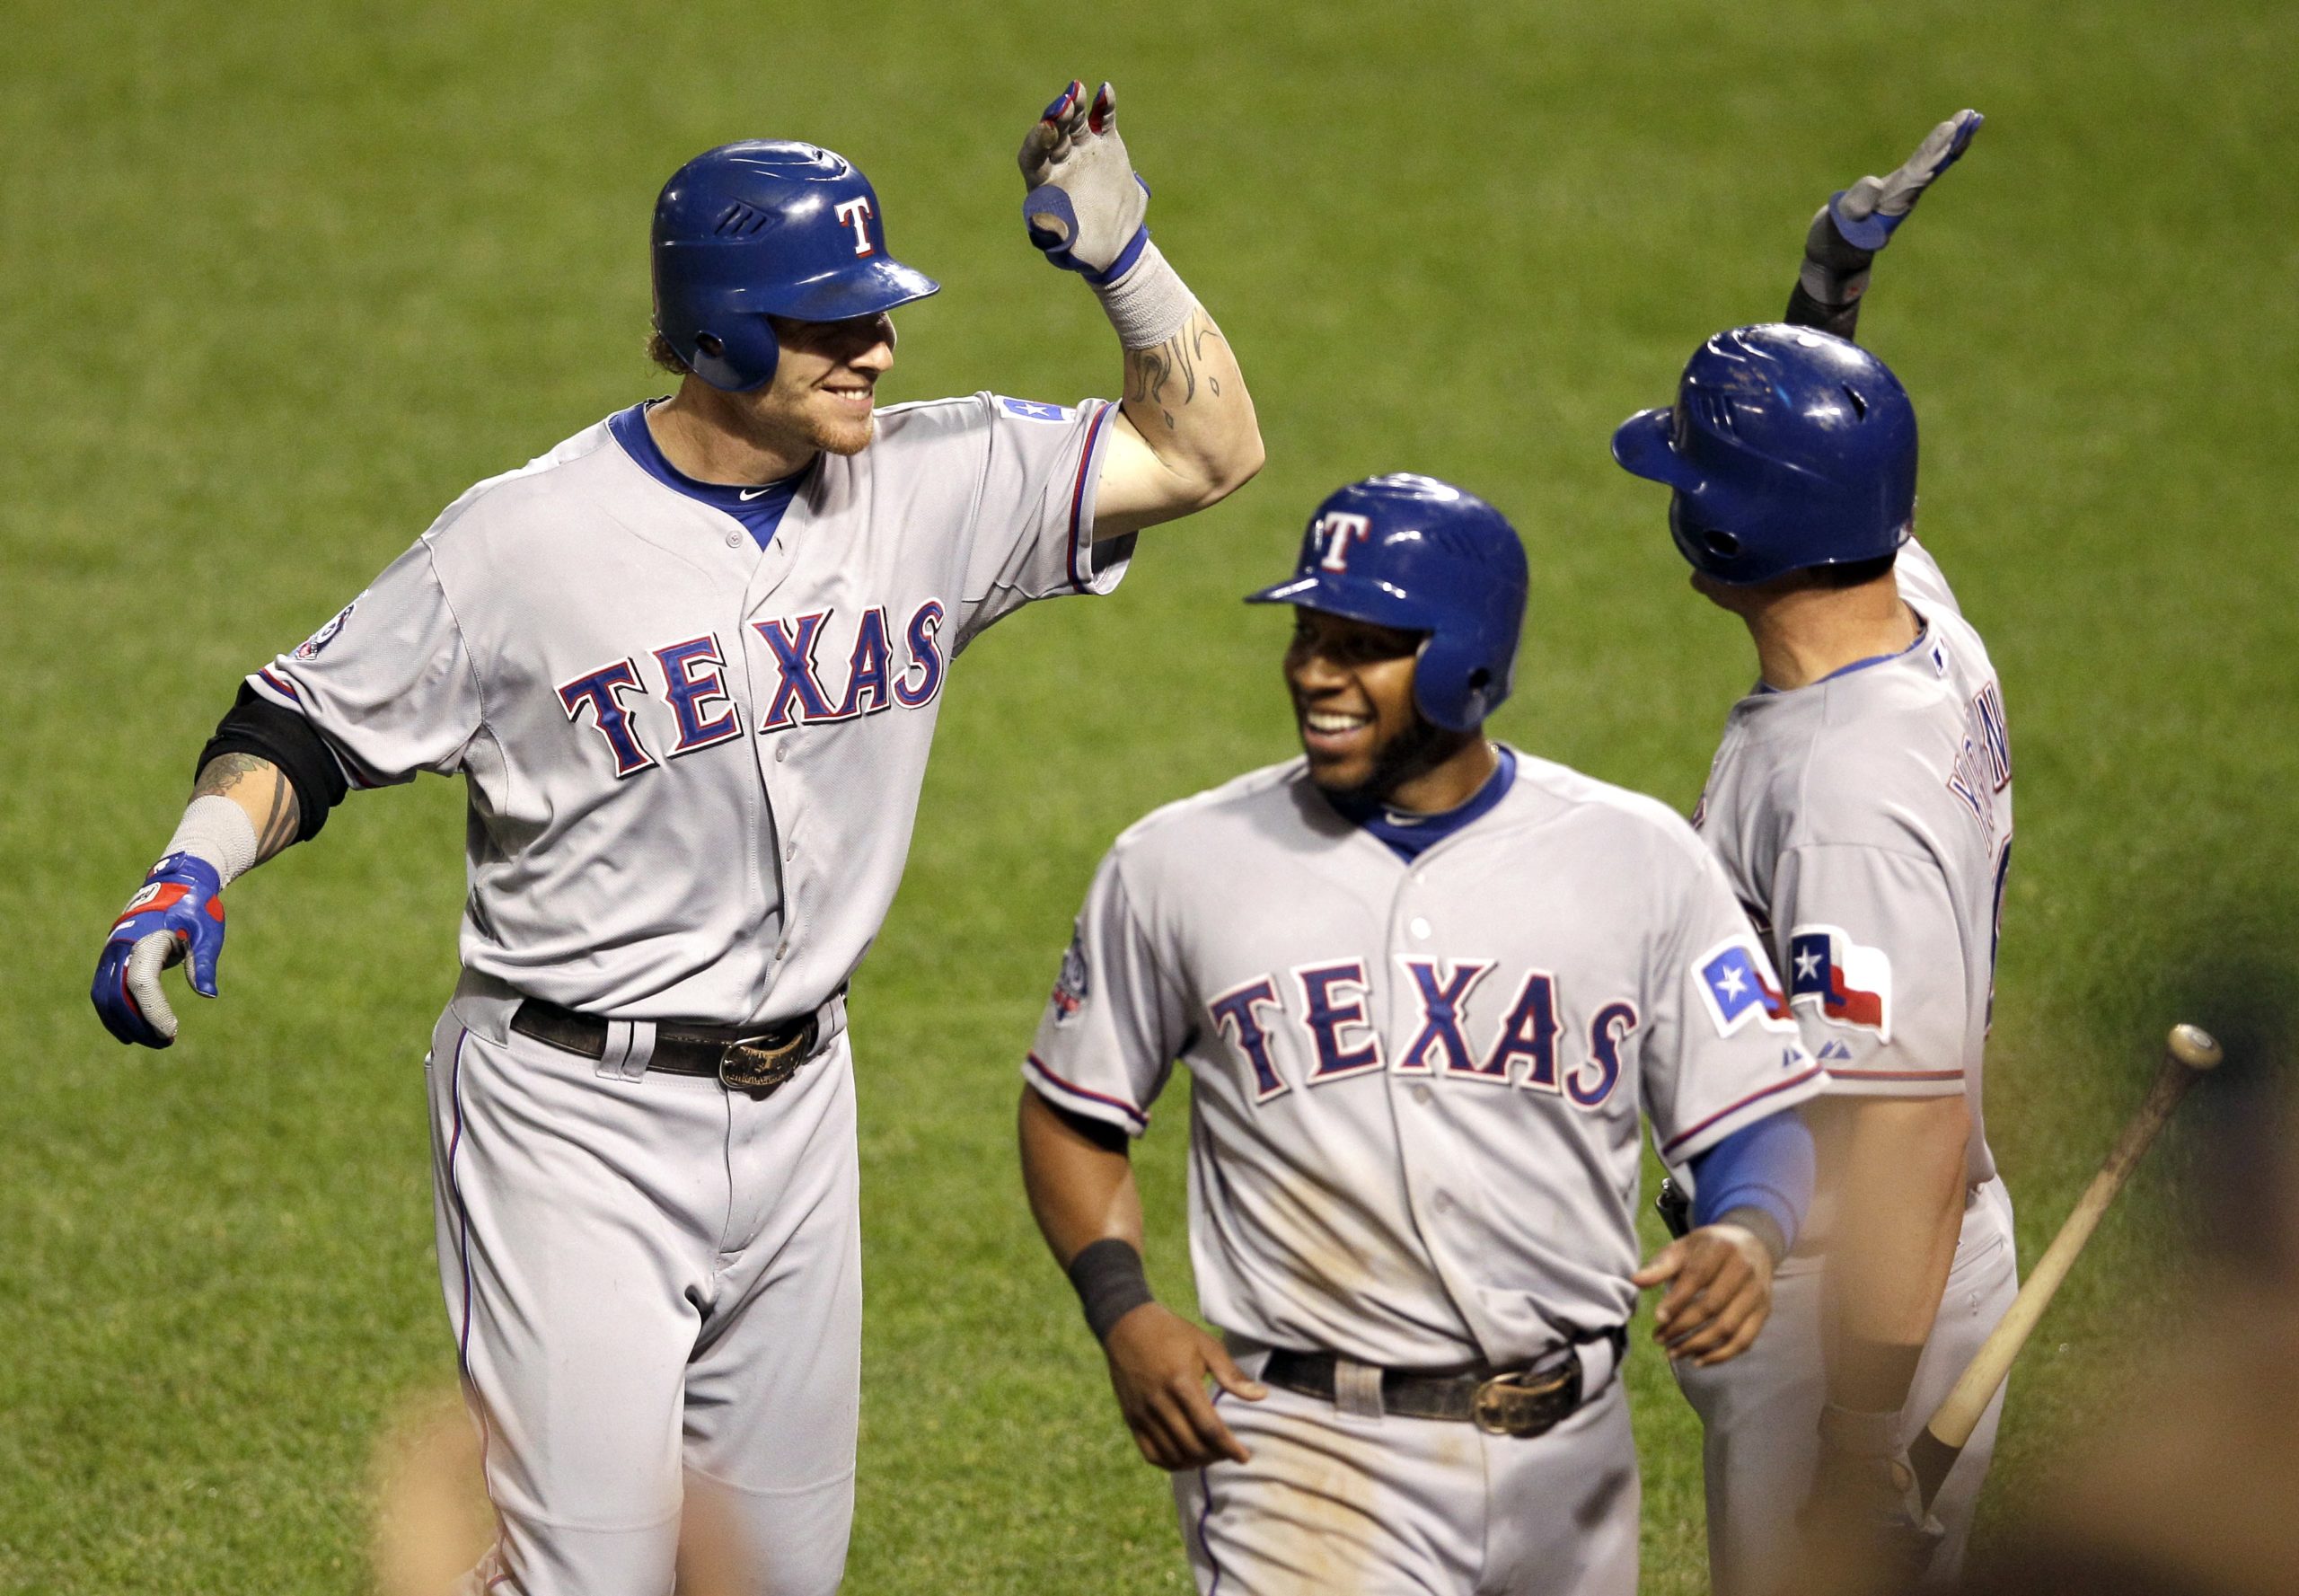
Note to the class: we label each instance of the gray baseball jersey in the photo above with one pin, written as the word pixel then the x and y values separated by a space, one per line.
pixel 694 764
pixel 1865 821
pixel 1415 1124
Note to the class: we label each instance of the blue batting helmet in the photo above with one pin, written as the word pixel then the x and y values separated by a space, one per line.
pixel 767 228
pixel 1787 448
pixel 1420 555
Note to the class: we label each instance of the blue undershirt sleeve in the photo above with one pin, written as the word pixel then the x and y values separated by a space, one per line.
pixel 1768 1166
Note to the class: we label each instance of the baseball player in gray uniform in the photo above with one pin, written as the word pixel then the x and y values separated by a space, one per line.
pixel 1861 803
pixel 1422 1047
pixel 688 663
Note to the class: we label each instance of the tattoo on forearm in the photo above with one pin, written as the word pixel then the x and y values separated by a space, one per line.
pixel 223 773
pixel 1151 372
pixel 279 824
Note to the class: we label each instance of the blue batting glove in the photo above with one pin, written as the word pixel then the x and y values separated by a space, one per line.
pixel 177 914
pixel 1869 212
pixel 1086 203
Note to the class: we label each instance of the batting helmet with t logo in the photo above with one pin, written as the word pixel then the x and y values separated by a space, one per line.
pixel 1420 555
pixel 767 228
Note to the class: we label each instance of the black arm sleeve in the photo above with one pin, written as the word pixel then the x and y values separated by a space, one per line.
pixel 1109 1138
pixel 255 725
pixel 1804 311
pixel 1838 269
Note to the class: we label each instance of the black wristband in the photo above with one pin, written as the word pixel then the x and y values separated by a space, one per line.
pixel 1110 1283
pixel 1762 1225
pixel 1804 311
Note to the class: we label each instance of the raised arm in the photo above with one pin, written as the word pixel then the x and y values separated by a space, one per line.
pixel 1187 435
pixel 1841 245
pixel 1081 1190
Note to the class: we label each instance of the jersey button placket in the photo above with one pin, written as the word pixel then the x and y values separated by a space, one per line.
pixel 1426 1144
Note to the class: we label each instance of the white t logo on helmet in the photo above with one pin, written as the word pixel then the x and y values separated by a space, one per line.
pixel 855 213
pixel 1339 529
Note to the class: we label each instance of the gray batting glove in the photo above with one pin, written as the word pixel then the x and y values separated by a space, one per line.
pixel 1855 222
pixel 1085 207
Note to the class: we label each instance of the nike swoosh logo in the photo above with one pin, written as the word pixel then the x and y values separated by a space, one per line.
pixel 748 494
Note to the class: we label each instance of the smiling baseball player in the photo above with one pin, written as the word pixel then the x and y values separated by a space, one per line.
pixel 688 663
pixel 1861 802
pixel 1426 987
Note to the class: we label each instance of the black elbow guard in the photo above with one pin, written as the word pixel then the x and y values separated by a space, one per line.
pixel 255 725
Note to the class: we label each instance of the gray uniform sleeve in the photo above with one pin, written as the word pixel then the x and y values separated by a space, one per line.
pixel 1876 967
pixel 1034 522
pixel 1720 1050
pixel 1115 1022
pixel 388 683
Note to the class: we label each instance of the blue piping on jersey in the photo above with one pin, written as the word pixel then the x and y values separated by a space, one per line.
pixel 758 507
pixel 1923 634
pixel 1410 835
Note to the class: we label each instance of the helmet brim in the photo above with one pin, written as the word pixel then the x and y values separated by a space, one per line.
pixel 1645 446
pixel 866 288
pixel 1376 603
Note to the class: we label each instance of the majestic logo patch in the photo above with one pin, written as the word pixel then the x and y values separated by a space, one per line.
pixel 309 649
pixel 1035 410
pixel 1736 986
pixel 1852 984
pixel 1075 984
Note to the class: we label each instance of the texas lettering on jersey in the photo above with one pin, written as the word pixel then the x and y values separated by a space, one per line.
pixel 690 674
pixel 1324 1013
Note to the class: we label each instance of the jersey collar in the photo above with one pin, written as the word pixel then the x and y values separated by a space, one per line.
pixel 1923 635
pixel 1409 835
pixel 758 506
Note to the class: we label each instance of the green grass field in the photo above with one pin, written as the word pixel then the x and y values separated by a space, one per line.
pixel 281 279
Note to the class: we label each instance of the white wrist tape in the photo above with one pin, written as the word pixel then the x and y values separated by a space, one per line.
pixel 219 831
pixel 1149 304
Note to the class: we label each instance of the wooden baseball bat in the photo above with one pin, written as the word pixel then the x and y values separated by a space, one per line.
pixel 2188 1052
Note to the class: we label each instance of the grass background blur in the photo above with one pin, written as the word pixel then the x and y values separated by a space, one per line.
pixel 281 279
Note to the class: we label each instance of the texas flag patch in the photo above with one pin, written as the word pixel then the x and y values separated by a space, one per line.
pixel 1035 409
pixel 1735 981
pixel 1852 984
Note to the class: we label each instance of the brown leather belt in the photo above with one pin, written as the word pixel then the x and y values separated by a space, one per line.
pixel 1520 1402
pixel 746 1060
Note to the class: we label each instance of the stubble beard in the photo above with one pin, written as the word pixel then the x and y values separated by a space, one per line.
pixel 841 437
pixel 781 424
pixel 1415 751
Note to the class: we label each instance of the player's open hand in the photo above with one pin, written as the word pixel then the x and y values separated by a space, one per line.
pixel 1720 1293
pixel 1866 213
pixel 1159 1363
pixel 1085 205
